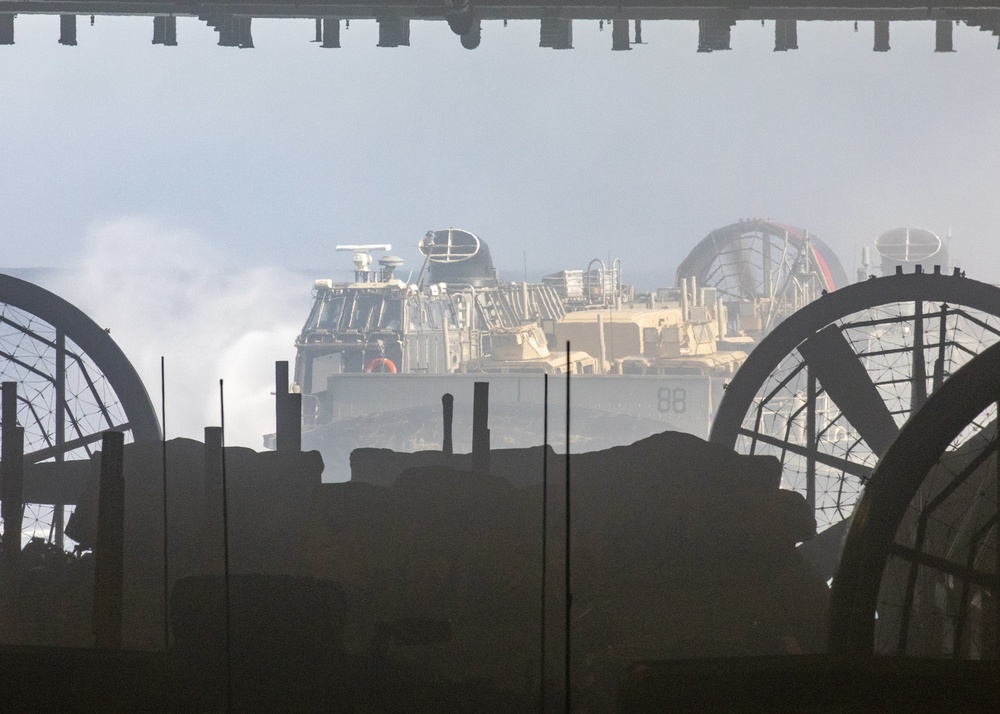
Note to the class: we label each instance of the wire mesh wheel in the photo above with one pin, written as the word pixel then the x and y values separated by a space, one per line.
pixel 73 383
pixel 827 391
pixel 919 571
pixel 775 268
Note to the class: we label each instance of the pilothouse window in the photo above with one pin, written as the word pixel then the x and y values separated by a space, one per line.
pixel 329 314
pixel 392 315
pixel 361 317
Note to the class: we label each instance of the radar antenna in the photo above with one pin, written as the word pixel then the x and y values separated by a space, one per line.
pixel 363 258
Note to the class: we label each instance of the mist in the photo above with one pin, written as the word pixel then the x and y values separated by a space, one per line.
pixel 169 292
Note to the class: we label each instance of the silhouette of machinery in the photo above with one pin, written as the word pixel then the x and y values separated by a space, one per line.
pixel 73 383
pixel 829 388
pixel 919 571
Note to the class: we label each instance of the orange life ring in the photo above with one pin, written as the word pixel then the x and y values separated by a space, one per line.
pixel 381 364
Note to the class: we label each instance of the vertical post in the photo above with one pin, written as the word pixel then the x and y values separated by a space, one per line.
pixel 225 549
pixel 545 530
pixel 109 547
pixel 13 486
pixel 918 388
pixel 280 408
pixel 287 412
pixel 58 511
pixel 480 428
pixel 211 498
pixel 881 36
pixel 446 346
pixel 619 36
pixel 170 31
pixel 6 28
pixel 448 410
pixel 166 530
pixel 684 299
pixel 943 36
pixel 293 418
pixel 942 336
pixel 67 30
pixel 602 347
pixel 12 471
pixel 213 460
pixel 569 591
pixel 811 446
pixel 996 547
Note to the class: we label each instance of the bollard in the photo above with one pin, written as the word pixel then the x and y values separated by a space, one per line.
pixel 448 408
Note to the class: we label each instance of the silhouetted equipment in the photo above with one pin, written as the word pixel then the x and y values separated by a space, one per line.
pixel 920 570
pixel 714 35
pixel 6 28
pixel 448 412
pixel 881 36
pixel 67 30
pixel 827 390
pixel 619 36
pixel 110 546
pixel 943 36
pixel 481 428
pixel 12 472
pixel 556 33
pixel 331 32
pixel 785 35
pixel 393 31
pixel 165 30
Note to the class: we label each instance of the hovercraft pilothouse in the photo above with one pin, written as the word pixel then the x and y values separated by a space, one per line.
pixel 443 323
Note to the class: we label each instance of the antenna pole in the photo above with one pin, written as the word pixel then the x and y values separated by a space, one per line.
pixel 166 565
pixel 569 592
pixel 545 510
pixel 225 555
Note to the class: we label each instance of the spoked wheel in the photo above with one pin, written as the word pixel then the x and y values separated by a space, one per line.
pixel 919 571
pixel 827 391
pixel 772 268
pixel 73 383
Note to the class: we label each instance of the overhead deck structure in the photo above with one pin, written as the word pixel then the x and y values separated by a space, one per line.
pixel 465 17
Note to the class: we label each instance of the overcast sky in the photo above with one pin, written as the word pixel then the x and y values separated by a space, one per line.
pixel 193 191
pixel 276 154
